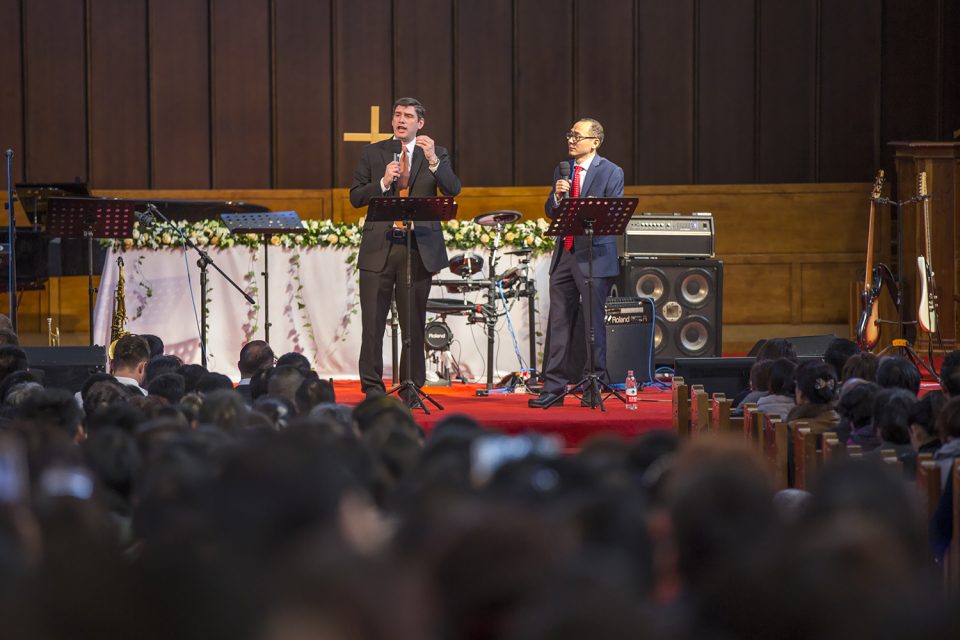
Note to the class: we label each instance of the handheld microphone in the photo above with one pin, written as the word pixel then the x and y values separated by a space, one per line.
pixel 396 147
pixel 565 173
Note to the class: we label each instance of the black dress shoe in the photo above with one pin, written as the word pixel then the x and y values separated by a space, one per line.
pixel 543 401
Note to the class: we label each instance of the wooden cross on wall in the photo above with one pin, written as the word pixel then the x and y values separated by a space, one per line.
pixel 374 135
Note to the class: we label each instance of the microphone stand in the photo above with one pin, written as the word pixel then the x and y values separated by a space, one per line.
pixel 11 244
pixel 204 261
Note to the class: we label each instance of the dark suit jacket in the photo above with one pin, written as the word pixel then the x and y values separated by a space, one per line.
pixel 604 179
pixel 374 245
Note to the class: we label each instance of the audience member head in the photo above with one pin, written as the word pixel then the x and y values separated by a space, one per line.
pixel 777 348
pixel 856 403
pixel 838 352
pixel 12 359
pixel 950 374
pixel 17 378
pixel 760 375
pixel 53 408
pixel 898 372
pixel 171 386
pixel 258 382
pixel 212 381
pixel 313 391
pixel 113 457
pixel 254 356
pixel 891 412
pixel 161 364
pixel 816 383
pixel 923 418
pixel 154 343
pixel 861 365
pixel 191 374
pixel 104 393
pixel 296 360
pixel 278 409
pixel 130 357
pixel 224 409
pixel 283 381
pixel 9 337
pixel 948 422
pixel 781 380
pixel 17 394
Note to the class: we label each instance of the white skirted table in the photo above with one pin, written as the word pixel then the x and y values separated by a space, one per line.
pixel 314 309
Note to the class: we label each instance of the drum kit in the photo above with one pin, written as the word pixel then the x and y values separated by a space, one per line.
pixel 497 288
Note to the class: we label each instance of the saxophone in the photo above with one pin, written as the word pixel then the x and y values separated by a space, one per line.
pixel 117 330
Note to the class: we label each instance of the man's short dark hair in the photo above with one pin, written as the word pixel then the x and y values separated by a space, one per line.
pixel 254 356
pixel 171 386
pixel 411 102
pixel 926 410
pixel 11 359
pixel 130 351
pixel 213 381
pixel 155 343
pixel 284 381
pixel 861 365
pixel 159 365
pixel 838 352
pixel 898 372
pixel 596 129
pixel 296 360
pixel 950 374
pixel 777 348
pixel 53 408
pixel 891 412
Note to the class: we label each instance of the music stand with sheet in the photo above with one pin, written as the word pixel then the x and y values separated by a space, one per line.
pixel 89 218
pixel 266 224
pixel 437 209
pixel 591 217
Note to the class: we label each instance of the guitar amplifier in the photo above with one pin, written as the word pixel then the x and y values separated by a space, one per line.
pixel 669 235
pixel 629 329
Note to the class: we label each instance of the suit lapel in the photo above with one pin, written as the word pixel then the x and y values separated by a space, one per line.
pixel 415 165
pixel 591 174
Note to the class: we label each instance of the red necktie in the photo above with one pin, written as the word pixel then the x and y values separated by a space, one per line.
pixel 574 193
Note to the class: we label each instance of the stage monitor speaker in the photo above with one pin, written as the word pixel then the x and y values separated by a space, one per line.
pixel 804 345
pixel 688 298
pixel 729 376
pixel 66 367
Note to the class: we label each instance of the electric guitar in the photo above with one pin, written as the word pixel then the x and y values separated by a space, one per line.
pixel 868 330
pixel 927 313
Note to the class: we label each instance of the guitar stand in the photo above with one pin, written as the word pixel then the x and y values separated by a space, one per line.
pixel 902 345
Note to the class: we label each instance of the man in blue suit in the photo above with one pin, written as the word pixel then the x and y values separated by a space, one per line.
pixel 592 177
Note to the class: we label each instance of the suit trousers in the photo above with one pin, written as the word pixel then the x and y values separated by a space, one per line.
pixel 568 297
pixel 376 291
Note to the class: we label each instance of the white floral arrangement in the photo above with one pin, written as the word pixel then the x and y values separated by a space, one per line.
pixel 457 234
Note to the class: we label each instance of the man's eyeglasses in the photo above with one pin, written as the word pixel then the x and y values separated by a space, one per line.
pixel 575 138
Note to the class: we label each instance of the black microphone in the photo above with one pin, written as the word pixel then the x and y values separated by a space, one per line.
pixel 395 147
pixel 144 218
pixel 9 153
pixel 565 173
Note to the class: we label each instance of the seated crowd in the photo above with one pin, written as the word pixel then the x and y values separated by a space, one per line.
pixel 163 502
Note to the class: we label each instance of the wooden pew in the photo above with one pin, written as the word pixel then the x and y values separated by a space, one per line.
pixel 833 449
pixel 680 397
pixel 854 451
pixel 720 419
pixel 929 482
pixel 746 425
pixel 775 437
pixel 699 410
pixel 804 454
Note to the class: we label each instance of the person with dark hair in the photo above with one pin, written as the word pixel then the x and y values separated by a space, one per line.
pixel 780 399
pixel 574 259
pixel 896 372
pixel 212 381
pixel 277 409
pixel 891 413
pixel 104 393
pixel 284 381
pixel 408 164
pixel 12 358
pixel 53 408
pixel 816 393
pixel 862 366
pixel 838 352
pixel 759 383
pixel 224 409
pixel 255 356
pixel 155 344
pixel 950 374
pixel 948 427
pixel 775 348
pixel 129 364
pixel 9 337
pixel 296 360
pixel 171 386
pixel 191 374
pixel 159 365
pixel 856 412
pixel 313 391
pixel 17 378
pixel 923 422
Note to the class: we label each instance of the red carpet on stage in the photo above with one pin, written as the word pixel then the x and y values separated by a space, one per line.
pixel 509 412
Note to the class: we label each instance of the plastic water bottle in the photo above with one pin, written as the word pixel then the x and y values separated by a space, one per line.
pixel 631 388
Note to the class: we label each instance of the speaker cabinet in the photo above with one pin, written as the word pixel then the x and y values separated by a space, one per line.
pixel 688 299
pixel 66 367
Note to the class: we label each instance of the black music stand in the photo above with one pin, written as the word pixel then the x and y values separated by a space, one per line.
pixel 267 225
pixel 411 210
pixel 591 217
pixel 89 218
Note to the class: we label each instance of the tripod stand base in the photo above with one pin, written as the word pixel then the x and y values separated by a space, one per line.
pixel 416 400
pixel 903 349
pixel 592 389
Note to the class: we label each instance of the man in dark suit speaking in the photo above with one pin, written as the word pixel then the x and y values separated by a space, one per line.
pixel 408 165
pixel 592 177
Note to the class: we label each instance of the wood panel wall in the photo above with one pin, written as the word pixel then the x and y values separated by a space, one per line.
pixel 248 94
